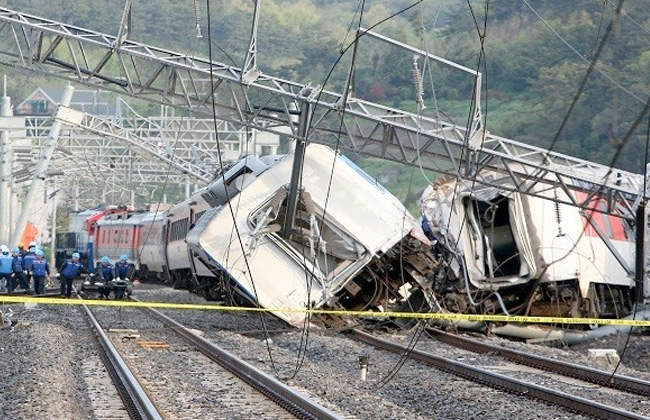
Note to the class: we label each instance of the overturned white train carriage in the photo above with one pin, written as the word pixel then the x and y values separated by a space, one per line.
pixel 353 245
pixel 507 252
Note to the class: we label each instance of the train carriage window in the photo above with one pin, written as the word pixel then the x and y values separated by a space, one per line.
pixel 602 205
pixel 185 227
pixel 173 231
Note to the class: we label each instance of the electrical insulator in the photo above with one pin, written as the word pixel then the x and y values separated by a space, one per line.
pixel 197 19
pixel 417 81
pixel 558 216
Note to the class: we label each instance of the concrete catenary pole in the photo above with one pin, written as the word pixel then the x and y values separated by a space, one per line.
pixel 5 168
pixel 53 229
pixel 41 168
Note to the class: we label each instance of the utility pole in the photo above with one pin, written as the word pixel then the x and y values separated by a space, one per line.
pixel 53 230
pixel 41 168
pixel 5 166
pixel 296 172
pixel 250 72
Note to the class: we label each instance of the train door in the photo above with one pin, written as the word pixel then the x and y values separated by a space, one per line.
pixel 497 238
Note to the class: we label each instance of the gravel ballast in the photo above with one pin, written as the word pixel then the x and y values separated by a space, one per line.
pixel 42 363
pixel 43 375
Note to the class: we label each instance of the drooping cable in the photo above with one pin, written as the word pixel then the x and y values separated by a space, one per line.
pixel 228 198
pixel 643 192
pixel 581 56
pixel 345 96
pixel 583 83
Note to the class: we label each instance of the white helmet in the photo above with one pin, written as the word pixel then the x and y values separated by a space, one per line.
pixel 4 249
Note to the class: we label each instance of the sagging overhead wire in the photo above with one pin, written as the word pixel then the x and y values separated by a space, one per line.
pixel 347 88
pixel 420 327
pixel 482 59
pixel 645 189
pixel 345 96
pixel 228 198
pixel 581 56
pixel 592 67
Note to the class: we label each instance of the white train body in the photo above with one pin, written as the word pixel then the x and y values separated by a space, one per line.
pixel 537 256
pixel 184 268
pixel 178 221
pixel 344 222
pixel 152 251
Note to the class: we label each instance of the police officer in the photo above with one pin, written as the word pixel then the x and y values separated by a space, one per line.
pixel 40 268
pixel 6 261
pixel 70 270
pixel 105 272
pixel 123 272
pixel 19 269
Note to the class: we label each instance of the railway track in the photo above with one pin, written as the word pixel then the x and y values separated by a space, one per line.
pixel 493 377
pixel 584 373
pixel 48 292
pixel 135 399
pixel 176 369
pixel 293 402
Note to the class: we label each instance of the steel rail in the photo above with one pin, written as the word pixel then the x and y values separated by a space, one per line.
pixel 573 370
pixel 292 401
pixel 503 382
pixel 135 399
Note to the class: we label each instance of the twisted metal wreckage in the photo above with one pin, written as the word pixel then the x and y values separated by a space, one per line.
pixel 511 228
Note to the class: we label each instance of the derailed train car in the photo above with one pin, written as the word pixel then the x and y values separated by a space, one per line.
pixel 181 268
pixel 512 253
pixel 353 245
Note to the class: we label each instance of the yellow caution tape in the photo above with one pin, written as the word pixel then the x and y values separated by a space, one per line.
pixel 361 314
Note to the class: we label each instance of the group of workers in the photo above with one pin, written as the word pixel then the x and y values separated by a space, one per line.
pixel 18 268
pixel 114 277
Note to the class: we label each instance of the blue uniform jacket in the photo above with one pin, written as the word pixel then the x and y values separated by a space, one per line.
pixel 123 270
pixel 6 261
pixel 106 272
pixel 71 269
pixel 40 268
pixel 17 265
pixel 28 259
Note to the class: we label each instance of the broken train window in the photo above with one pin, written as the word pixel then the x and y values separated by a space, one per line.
pixel 315 239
